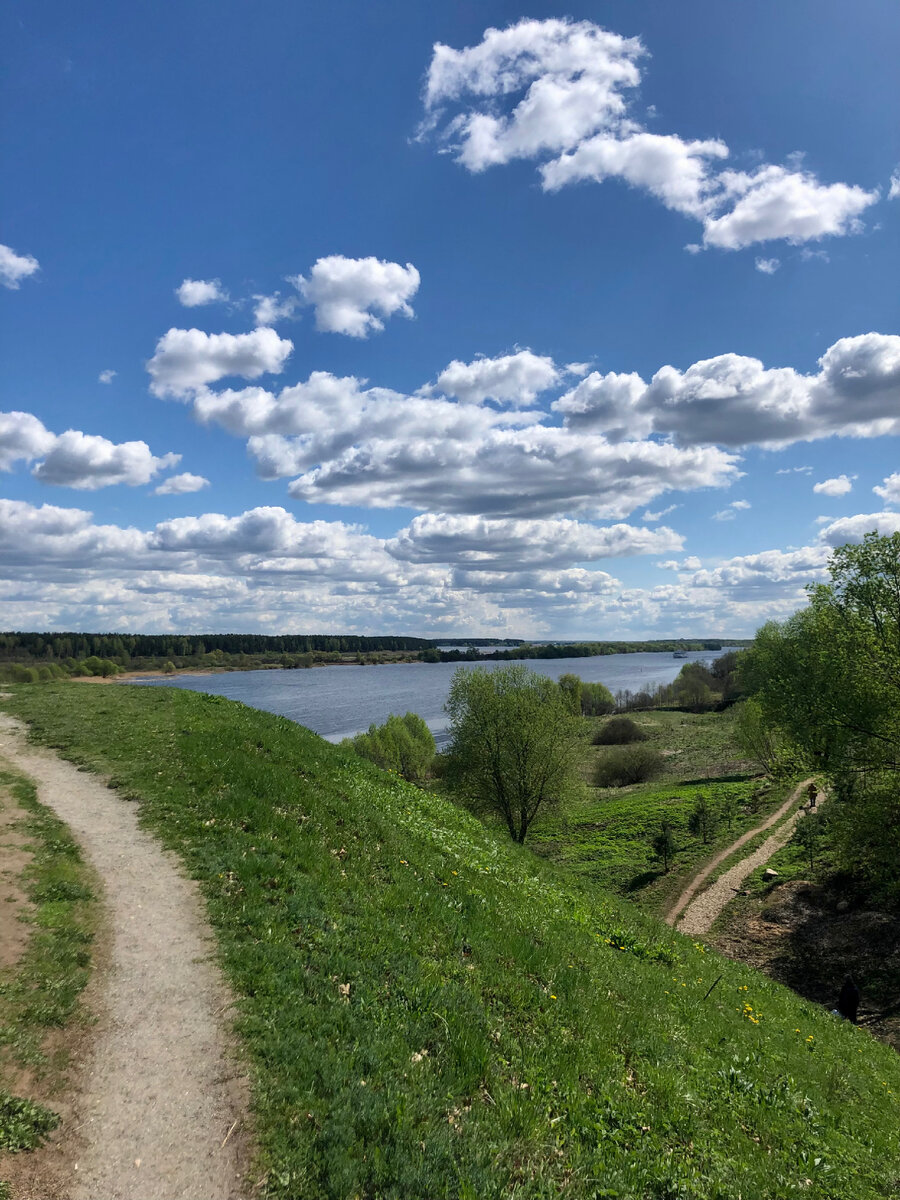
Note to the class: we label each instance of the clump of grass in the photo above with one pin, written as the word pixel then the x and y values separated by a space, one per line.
pixel 41 991
pixel 621 766
pixel 432 1011
pixel 619 731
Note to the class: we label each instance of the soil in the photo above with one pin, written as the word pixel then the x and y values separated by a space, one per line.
pixel 14 858
pixel 795 934
pixel 159 1111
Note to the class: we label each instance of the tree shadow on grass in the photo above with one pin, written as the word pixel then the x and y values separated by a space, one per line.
pixel 643 880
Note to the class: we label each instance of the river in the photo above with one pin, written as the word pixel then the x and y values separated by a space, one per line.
pixel 339 701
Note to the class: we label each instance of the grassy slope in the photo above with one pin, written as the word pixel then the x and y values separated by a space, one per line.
pixel 429 1011
pixel 607 837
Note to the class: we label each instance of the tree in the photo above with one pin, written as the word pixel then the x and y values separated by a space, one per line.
pixel 572 688
pixel 514 743
pixel 663 845
pixel 404 745
pixel 596 700
pixel 703 818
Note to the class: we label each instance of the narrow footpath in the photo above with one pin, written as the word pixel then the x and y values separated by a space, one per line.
pixel 161 1102
pixel 702 912
pixel 684 900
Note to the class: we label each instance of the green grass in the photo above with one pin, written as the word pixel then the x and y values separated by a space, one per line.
pixel 696 745
pixel 41 992
pixel 430 1011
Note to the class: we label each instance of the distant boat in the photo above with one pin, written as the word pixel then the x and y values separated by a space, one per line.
pixel 680 654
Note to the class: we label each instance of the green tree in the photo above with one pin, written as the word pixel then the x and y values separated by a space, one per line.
pixel 572 687
pixel 703 818
pixel 663 844
pixel 596 700
pixel 514 743
pixel 404 745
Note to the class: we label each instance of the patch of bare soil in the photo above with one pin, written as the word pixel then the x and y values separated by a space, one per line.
pixel 160 1110
pixel 796 934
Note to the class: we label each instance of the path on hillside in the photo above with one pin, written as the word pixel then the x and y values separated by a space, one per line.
pixel 160 1104
pixel 700 913
pixel 701 877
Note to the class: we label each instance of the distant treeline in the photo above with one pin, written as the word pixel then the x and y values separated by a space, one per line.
pixel 578 650
pixel 22 647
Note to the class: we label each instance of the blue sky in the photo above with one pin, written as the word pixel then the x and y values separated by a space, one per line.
pixel 461 318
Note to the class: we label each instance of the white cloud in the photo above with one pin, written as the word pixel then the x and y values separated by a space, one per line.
pixel 894 187
pixel 658 516
pixel 74 459
pixel 351 295
pixel 734 400
pixel 725 514
pixel 194 292
pixel 186 360
pixel 768 266
pixel 485 544
pixel 839 486
pixel 691 563
pixel 178 485
pixel 106 376
pixel 854 529
pixel 889 490
pixel 793 471
pixel 16 267
pixel 559 91
pixel 514 379
pixel 740 504
pixel 270 309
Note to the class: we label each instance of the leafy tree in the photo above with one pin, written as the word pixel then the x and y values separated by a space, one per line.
pixel 663 844
pixel 703 819
pixel 402 744
pixel 596 700
pixel 169 668
pixel 572 688
pixel 514 743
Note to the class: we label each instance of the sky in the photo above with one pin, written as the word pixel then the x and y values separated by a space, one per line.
pixel 446 319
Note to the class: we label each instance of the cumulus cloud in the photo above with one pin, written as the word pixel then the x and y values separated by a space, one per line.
pixel 75 459
pixel 839 486
pixel 16 267
pixel 854 529
pixel 351 295
pixel 514 379
pixel 187 360
pixel 484 544
pixel 179 485
pixel 106 376
pixel 894 186
pixel 559 91
pixel 889 490
pixel 192 293
pixel 269 309
pixel 768 266
pixel 734 400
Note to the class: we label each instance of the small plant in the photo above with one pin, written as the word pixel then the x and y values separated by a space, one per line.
pixel 621 766
pixel 619 731
pixel 23 1123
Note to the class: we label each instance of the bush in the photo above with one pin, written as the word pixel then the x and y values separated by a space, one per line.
pixel 596 700
pixel 402 744
pixel 620 731
pixel 624 765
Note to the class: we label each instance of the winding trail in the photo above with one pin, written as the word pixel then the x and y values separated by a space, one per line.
pixel 161 1102
pixel 713 900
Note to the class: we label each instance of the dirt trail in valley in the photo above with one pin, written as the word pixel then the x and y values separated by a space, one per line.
pixel 161 1103
pixel 699 915
pixel 684 900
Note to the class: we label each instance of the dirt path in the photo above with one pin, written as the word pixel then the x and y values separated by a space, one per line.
pixel 699 879
pixel 161 1091
pixel 700 914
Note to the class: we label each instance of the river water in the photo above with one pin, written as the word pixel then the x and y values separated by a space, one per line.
pixel 340 701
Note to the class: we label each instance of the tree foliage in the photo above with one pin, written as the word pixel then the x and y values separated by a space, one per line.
pixel 404 745
pixel 829 678
pixel 514 743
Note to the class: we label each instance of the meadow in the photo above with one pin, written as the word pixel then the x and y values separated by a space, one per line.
pixel 430 1011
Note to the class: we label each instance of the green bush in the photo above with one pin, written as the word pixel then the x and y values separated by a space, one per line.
pixel 619 731
pixel 596 700
pixel 624 765
pixel 402 744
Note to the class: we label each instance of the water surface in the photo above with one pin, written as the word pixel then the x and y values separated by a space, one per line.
pixel 339 701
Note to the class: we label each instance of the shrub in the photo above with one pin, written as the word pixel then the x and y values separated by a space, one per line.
pixel 596 700
pixel 402 744
pixel 624 765
pixel 620 731
pixel 703 819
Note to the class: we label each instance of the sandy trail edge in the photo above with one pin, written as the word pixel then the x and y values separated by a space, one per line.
pixel 701 877
pixel 162 1088
pixel 700 914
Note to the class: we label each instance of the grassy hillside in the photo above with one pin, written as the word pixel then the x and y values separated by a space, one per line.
pixel 430 1011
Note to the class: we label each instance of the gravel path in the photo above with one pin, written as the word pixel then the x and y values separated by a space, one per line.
pixel 161 1091
pixel 701 877
pixel 700 914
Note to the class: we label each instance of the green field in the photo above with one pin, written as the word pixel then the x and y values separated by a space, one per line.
pixel 430 1011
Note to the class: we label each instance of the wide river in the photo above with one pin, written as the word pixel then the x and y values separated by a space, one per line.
pixel 338 702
